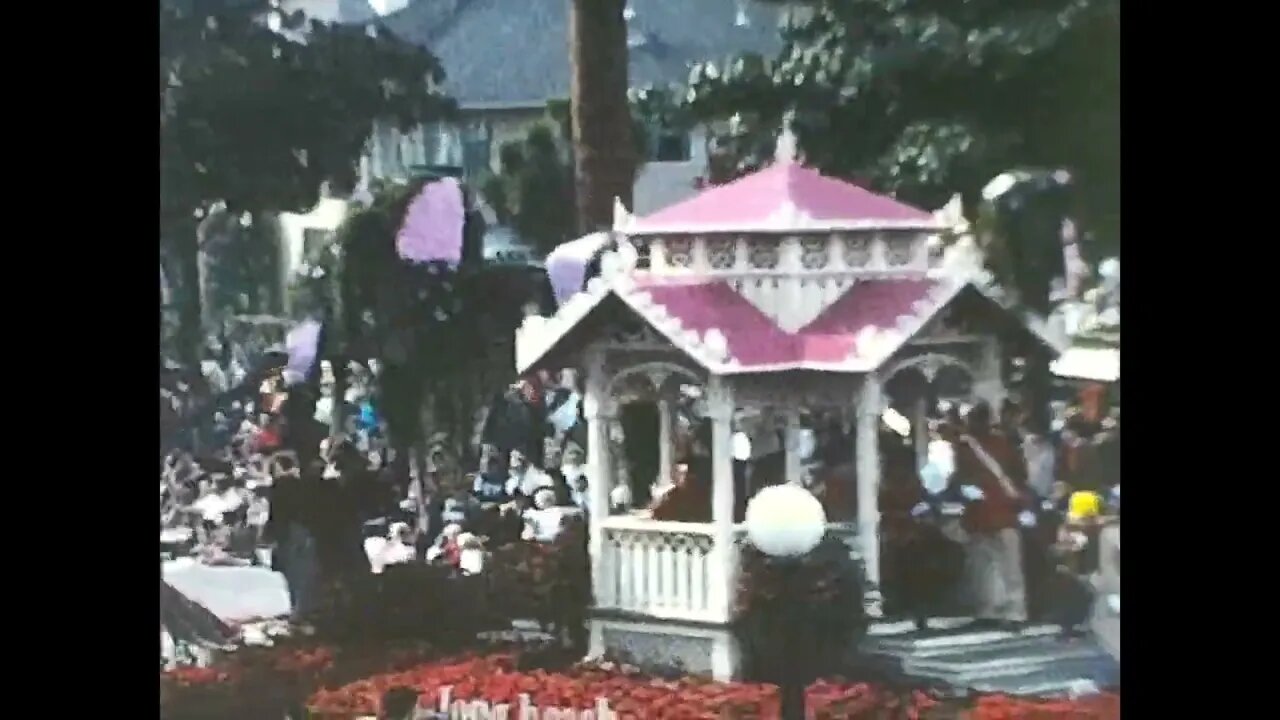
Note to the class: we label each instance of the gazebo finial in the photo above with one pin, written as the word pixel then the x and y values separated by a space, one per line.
pixel 621 218
pixel 787 151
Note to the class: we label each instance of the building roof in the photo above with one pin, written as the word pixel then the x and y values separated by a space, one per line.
pixel 515 53
pixel 1098 364
pixel 724 332
pixel 783 197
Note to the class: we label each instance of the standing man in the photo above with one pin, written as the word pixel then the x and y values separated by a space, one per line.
pixel 993 478
pixel 1038 540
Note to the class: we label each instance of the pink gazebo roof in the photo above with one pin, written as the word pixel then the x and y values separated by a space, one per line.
pixel 784 197
pixel 715 325
pixel 835 340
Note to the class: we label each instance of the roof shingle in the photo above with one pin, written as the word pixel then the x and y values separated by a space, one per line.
pixel 516 52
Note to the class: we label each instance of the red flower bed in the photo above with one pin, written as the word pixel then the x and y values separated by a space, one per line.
pixel 1000 707
pixel 634 695
pixel 494 679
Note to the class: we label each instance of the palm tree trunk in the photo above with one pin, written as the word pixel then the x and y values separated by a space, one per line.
pixel 604 150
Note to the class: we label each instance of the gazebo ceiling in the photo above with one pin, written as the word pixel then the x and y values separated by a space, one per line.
pixel 784 197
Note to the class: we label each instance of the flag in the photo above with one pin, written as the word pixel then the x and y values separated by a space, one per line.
pixel 567 264
pixel 303 346
pixel 433 224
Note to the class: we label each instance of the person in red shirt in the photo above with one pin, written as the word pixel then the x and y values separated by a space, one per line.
pixel 992 476
pixel 268 438
pixel 689 499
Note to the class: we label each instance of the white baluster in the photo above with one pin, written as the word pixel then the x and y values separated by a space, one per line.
pixel 698 580
pixel 669 599
pixel 640 597
pixel 683 598
pixel 624 571
pixel 653 590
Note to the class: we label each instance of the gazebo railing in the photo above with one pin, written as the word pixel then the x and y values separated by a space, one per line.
pixel 658 569
pixel 668 570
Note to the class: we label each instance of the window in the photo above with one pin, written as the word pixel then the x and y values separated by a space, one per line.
pixel 385 153
pixel 442 145
pixel 477 143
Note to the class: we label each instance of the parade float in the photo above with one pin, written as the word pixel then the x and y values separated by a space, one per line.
pixel 783 292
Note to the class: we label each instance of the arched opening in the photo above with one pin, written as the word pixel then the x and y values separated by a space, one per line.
pixel 658 425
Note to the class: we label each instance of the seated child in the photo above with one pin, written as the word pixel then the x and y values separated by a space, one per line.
pixel 544 520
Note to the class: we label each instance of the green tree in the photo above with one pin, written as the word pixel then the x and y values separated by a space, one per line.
pixel 928 97
pixel 533 192
pixel 255 121
pixel 442 335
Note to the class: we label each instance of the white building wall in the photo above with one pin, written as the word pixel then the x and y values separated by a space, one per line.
pixel 659 184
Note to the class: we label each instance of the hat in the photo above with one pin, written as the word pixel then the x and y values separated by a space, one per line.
pixel 1083 505
pixel 545 494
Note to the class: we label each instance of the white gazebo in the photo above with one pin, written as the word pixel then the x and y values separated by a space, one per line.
pixel 782 292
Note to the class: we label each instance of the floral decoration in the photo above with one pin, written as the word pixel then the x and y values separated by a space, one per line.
pixel 634 695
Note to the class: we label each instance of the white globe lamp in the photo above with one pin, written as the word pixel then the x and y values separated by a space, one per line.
pixel 785 521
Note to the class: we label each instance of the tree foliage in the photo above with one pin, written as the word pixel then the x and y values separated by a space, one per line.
pixel 928 97
pixel 443 335
pixel 533 192
pixel 257 121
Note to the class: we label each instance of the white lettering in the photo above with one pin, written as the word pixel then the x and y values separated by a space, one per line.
pixel 482 710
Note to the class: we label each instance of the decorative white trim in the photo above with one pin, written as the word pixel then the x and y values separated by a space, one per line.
pixel 656 372
pixel 929 365
pixel 621 217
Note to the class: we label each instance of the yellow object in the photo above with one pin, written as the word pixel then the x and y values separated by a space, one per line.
pixel 1084 505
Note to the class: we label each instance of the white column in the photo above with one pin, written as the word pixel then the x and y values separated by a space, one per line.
pixel 920 429
pixel 598 412
pixel 869 402
pixel 792 437
pixel 724 565
pixel 666 442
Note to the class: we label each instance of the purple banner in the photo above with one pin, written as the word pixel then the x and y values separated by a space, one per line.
pixel 567 264
pixel 433 224
pixel 302 343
